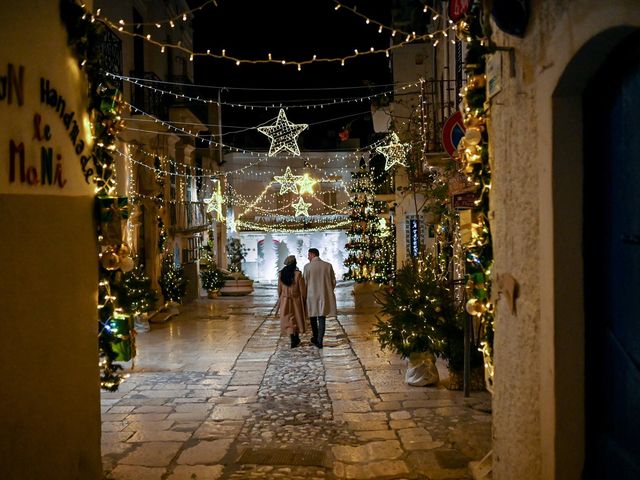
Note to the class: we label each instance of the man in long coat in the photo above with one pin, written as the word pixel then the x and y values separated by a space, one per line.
pixel 321 299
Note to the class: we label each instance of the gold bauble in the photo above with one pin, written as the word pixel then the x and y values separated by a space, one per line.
pixel 110 260
pixel 473 136
pixel 475 307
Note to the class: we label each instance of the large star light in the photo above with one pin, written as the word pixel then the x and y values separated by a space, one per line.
pixel 394 152
pixel 306 184
pixel 288 182
pixel 283 134
pixel 302 207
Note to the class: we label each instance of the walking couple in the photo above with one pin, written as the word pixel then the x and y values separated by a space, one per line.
pixel 308 294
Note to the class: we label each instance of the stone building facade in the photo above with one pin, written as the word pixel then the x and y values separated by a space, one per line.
pixel 548 233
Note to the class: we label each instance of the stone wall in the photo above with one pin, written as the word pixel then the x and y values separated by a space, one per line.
pixel 49 379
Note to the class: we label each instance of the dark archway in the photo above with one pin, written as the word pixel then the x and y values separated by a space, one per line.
pixel 612 265
pixel 576 230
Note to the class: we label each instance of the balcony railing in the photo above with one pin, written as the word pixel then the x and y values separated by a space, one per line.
pixel 440 96
pixel 190 216
pixel 110 55
pixel 183 85
pixel 146 99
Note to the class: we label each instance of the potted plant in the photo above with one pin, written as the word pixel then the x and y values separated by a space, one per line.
pixel 172 280
pixel 237 282
pixel 415 310
pixel 213 279
pixel 420 321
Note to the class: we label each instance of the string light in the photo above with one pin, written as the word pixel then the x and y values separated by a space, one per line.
pixel 239 61
pixel 169 21
pixel 337 101
pixel 261 155
pixel 381 26
pixel 243 225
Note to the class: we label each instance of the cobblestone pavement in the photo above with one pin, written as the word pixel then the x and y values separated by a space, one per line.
pixel 216 393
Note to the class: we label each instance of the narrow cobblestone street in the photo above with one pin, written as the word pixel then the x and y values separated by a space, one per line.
pixel 216 393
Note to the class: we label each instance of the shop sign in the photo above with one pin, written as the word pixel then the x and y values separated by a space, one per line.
pixel 414 231
pixel 464 200
pixel 494 74
pixel 45 146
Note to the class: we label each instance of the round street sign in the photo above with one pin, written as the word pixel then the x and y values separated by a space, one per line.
pixel 452 132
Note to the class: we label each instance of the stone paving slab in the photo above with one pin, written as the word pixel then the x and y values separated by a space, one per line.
pixel 208 401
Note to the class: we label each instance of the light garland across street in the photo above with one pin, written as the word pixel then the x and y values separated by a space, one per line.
pixel 144 83
pixel 223 55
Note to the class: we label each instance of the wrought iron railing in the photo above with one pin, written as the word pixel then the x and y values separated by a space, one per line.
pixel 441 102
pixel 110 54
pixel 191 216
pixel 146 99
pixel 183 85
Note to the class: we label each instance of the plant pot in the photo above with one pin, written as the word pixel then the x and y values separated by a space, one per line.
pixel 213 293
pixel 421 370
pixel 237 287
pixel 476 379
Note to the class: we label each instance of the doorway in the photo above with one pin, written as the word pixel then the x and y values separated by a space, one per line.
pixel 611 240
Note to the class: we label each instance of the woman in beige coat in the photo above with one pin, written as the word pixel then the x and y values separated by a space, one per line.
pixel 292 294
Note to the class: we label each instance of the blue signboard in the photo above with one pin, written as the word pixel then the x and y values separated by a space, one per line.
pixel 414 231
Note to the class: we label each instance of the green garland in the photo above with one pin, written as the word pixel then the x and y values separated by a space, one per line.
pixel 84 34
pixel 477 168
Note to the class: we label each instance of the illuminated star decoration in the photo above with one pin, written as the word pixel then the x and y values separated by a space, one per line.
pixel 394 152
pixel 214 204
pixel 288 182
pixel 302 207
pixel 306 184
pixel 283 134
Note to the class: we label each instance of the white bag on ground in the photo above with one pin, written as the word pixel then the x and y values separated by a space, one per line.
pixel 421 370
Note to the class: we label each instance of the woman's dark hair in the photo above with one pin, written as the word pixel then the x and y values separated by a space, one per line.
pixel 288 274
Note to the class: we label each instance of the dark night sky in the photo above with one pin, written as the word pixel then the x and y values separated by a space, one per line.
pixel 293 30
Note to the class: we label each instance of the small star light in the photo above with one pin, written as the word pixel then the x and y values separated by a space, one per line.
pixel 288 182
pixel 394 152
pixel 306 184
pixel 302 207
pixel 214 204
pixel 283 134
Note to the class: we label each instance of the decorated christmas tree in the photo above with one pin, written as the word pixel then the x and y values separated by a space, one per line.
pixel 371 244
pixel 172 280
pixel 416 310
pixel 135 295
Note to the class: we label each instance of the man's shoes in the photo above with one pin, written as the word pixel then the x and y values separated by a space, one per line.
pixel 314 341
